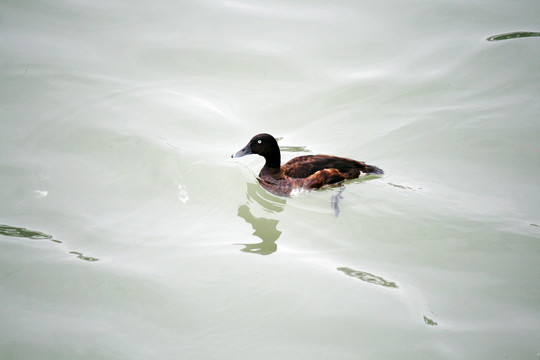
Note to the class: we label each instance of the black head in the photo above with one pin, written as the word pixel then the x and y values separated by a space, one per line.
pixel 264 145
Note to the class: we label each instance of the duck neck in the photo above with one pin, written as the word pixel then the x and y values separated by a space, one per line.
pixel 273 164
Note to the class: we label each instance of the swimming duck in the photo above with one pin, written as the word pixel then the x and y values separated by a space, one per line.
pixel 302 172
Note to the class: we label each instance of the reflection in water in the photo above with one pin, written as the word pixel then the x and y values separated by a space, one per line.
pixel 377 280
pixel 294 149
pixel 401 186
pixel 513 35
pixel 334 200
pixel 269 202
pixel 367 277
pixel 265 228
pixel 430 322
pixel 82 257
pixel 13 231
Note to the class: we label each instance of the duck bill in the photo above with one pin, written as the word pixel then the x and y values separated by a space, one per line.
pixel 244 151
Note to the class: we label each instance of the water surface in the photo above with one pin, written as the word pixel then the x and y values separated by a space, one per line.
pixel 128 232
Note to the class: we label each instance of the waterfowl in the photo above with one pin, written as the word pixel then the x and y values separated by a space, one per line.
pixel 302 172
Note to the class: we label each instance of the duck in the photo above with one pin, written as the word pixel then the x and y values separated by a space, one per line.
pixel 307 172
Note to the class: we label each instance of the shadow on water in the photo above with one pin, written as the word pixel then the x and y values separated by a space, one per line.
pixel 513 35
pixel 20 232
pixel 265 227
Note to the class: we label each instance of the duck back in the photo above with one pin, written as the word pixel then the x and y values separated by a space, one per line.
pixel 305 166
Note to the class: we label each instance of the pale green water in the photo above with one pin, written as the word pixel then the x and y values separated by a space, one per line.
pixel 127 232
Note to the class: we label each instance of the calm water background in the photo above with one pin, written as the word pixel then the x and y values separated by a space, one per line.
pixel 127 232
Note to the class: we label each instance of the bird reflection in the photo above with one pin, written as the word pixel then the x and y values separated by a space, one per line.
pixel 265 228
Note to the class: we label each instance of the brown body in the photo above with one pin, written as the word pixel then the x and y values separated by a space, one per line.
pixel 302 172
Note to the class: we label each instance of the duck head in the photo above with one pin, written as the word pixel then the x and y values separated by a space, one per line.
pixel 264 145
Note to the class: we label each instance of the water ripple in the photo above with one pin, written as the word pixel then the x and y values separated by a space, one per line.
pixel 13 231
pixel 429 321
pixel 367 277
pixel 513 35
pixel 20 232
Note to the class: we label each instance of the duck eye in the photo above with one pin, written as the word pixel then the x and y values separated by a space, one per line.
pixel 259 141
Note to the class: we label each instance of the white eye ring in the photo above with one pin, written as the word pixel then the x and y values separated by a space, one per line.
pixel 259 141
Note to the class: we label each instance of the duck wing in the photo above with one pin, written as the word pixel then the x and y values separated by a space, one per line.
pixel 305 166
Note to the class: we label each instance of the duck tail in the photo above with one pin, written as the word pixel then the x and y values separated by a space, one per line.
pixel 371 169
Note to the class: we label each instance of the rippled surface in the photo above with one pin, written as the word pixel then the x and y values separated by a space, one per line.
pixel 128 232
pixel 513 35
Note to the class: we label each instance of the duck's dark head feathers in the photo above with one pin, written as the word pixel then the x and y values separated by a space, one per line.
pixel 264 145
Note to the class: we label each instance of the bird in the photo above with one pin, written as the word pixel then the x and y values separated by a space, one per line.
pixel 303 172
